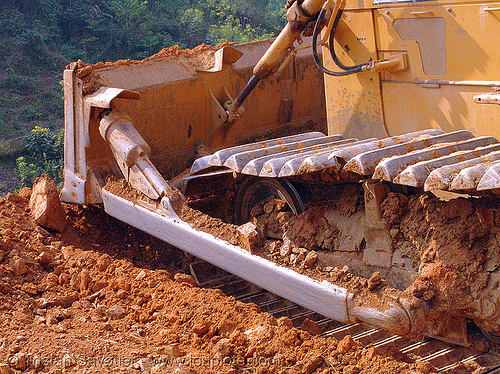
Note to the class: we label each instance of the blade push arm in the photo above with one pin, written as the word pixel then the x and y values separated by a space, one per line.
pixel 298 17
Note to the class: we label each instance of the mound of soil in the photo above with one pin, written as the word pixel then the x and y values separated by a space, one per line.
pixel 103 297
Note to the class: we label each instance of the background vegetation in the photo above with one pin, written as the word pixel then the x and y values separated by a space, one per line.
pixel 38 38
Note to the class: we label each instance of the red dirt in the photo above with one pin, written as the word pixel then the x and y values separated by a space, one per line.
pixel 101 298
pixel 200 57
pixel 449 243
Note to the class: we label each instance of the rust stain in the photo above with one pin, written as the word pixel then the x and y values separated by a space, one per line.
pixel 426 143
pixel 410 147
pixel 300 145
pixel 461 158
pixel 280 142
pixel 381 144
pixel 397 140
pixel 284 148
pixel 435 153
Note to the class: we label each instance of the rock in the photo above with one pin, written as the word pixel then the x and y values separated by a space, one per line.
pixel 269 207
pixel 18 266
pixel 185 278
pixel 16 199
pixel 424 367
pixel 19 361
pixel 62 301
pixel 14 348
pixel 51 281
pixel 99 285
pixel 285 250
pixel 256 211
pixel 75 282
pixel 346 344
pixel 141 275
pixel 25 192
pixel 311 259
pixel 374 281
pixel 63 278
pixel 116 312
pixel 201 328
pixel 223 347
pixel 85 71
pixel 45 205
pixel 394 232
pixel 350 369
pixel 250 237
pixel 313 364
pixel 280 205
pixel 285 321
pixel 159 368
pixel 44 259
pixel 171 350
pixel 84 280
pixel 50 319
pixel 311 327
pixel 274 247
pixel 103 262
pixel 4 369
pixel 40 230
pixel 143 364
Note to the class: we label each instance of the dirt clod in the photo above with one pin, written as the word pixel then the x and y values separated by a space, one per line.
pixel 250 237
pixel 311 327
pixel 310 259
pixel 45 206
pixel 374 280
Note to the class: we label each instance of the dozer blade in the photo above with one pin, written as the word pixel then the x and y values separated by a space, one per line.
pixel 393 311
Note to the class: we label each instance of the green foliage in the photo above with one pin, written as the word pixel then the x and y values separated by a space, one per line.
pixel 43 153
pixel 38 38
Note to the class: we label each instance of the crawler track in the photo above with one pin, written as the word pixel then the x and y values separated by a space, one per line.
pixel 446 358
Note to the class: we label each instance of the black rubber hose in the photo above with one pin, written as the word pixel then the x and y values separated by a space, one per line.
pixel 317 61
pixel 332 49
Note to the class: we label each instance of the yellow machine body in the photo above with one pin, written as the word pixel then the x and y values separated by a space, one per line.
pixel 453 52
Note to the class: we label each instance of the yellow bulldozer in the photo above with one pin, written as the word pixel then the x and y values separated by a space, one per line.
pixel 350 165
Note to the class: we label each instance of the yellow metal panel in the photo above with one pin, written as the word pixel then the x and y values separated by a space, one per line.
pixel 420 97
pixel 473 45
pixel 353 102
pixel 409 107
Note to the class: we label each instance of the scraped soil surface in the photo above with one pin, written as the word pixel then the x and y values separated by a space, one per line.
pixel 103 297
pixel 199 58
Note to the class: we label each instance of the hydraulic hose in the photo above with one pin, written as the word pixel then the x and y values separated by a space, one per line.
pixel 332 49
pixel 347 70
